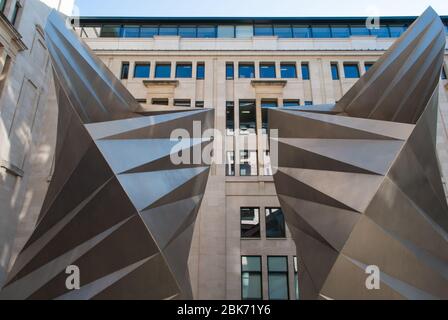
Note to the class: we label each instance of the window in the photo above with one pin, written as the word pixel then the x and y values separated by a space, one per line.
pixel 199 104
pixel 397 30
pixel 163 70
pixel 288 70
pixel 308 103
pixel 248 163
pixel 168 31
pixel 321 31
pixel 284 31
pixel 275 223
pixel 130 31
pixel 244 31
pixel 141 100
pixel 340 31
pixel 278 278
pixel 246 70
pixel 16 13
pixel 226 31
pixel 230 71
pixel 141 70
pixel 267 70
pixel 230 115
pixel 206 32
pixel 200 71
pixel 305 71
pixel 251 283
pixel 351 70
pixel 182 103
pixel 250 222
pixel 334 71
pixel 264 112
pixel 183 70
pixel 4 73
pixel 291 103
pixel 263 30
pixel 230 163
pixel 110 31
pixel 359 30
pixel 443 73
pixel 149 31
pixel 296 278
pixel 248 117
pixel 187 31
pixel 382 32
pixel 160 101
pixel 124 70
pixel 301 31
pixel 368 65
pixel 267 163
pixel 2 5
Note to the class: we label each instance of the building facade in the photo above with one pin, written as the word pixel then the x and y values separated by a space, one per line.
pixel 242 249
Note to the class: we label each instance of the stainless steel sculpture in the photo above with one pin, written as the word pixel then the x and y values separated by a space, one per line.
pixel 359 181
pixel 117 207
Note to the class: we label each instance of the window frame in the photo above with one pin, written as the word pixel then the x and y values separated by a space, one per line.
pixel 349 65
pixel 246 65
pixel 286 273
pixel 125 68
pixel 180 65
pixel 271 66
pixel 266 209
pixel 335 75
pixel 160 65
pixel 228 65
pixel 305 69
pixel 200 75
pixel 142 64
pixel 259 273
pixel 283 74
pixel 257 211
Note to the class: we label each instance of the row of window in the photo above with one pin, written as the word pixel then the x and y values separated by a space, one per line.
pixel 278 278
pixel 246 31
pixel 267 70
pixel 163 70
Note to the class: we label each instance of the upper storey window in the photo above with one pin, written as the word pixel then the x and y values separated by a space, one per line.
pixel 183 70
pixel 283 31
pixel 168 30
pixel 187 31
pixel 263 30
pixel 321 31
pixel 141 70
pixel 246 70
pixel 351 70
pixel 206 32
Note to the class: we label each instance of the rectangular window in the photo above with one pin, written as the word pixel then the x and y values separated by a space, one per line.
pixel 130 32
pixel 359 30
pixel 248 117
pixel 301 31
pixel 141 100
pixel 110 31
pixel 230 71
pixel 288 70
pixel 334 71
pixel 397 30
pixel 275 223
pixel 163 70
pixel 267 163
pixel 443 73
pixel 248 163
pixel 321 31
pixel 263 30
pixel 296 278
pixel 199 104
pixel 246 70
pixel 351 70
pixel 4 74
pixel 226 31
pixel 168 31
pixel 267 70
pixel 200 71
pixel 250 222
pixel 244 31
pixel 283 31
pixel 141 70
pixel 187 31
pixel 160 101
pixel 340 31
pixel 230 118
pixel 206 32
pixel 265 105
pixel 278 278
pixel 124 70
pixel 368 65
pixel 291 103
pixel 305 71
pixel 2 5
pixel 230 163
pixel 182 103
pixel 183 70
pixel 149 31
pixel 251 283
pixel 308 103
pixel 16 13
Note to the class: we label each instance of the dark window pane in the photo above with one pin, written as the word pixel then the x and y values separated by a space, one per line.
pixel 226 31
pixel 251 264
pixel 288 71
pixel 110 31
pixel 368 65
pixel 443 73
pixel 2 5
pixel 308 103
pixel 182 103
pixel 199 104
pixel 397 30
pixel 263 30
pixel 275 223
pixel 251 283
pixel 305 71
pixel 340 31
pixel 15 13
pixel 301 31
pixel 321 31
pixel 187 31
pixel 230 163
pixel 267 70
pixel 230 71
pixel 160 102
pixel 382 32
pixel 351 70
pixel 250 222
pixel 264 112
pixel 230 116
pixel 200 71
pixel 163 70
pixel 291 103
pixel 130 31
pixel 283 31
pixel 168 31
pixel 141 70
pixel 248 163
pixel 183 71
pixel 278 278
pixel 334 71
pixel 246 70
pixel 149 31
pixel 124 70
pixel 296 278
pixel 359 30
pixel 247 117
pixel 206 32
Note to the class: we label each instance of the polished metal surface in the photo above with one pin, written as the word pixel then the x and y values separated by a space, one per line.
pixel 117 207
pixel 359 182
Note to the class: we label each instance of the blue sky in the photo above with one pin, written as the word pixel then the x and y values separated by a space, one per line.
pixel 257 8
